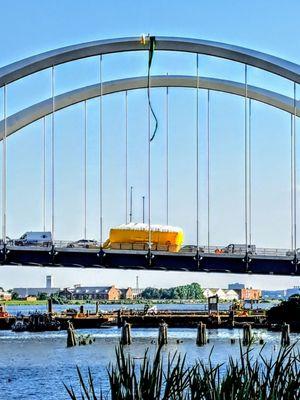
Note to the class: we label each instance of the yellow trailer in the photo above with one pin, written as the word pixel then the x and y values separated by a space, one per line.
pixel 135 236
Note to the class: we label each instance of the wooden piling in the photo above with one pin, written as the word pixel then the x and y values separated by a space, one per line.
pixel 285 335
pixel 126 334
pixel 50 306
pixel 201 334
pixel 97 307
pixel 71 339
pixel 162 334
pixel 81 310
pixel 247 334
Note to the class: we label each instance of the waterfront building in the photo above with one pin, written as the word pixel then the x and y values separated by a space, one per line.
pixel 23 293
pixel 236 286
pixel 5 295
pixel 110 293
pixel 292 291
pixel 273 294
pixel 223 294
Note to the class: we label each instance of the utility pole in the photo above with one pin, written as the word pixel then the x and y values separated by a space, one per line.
pixel 130 210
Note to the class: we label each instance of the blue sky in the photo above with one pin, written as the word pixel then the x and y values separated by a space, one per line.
pixel 32 27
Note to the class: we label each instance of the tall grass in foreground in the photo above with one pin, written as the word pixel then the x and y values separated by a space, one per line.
pixel 275 378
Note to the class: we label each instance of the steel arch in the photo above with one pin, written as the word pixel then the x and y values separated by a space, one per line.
pixel 30 65
pixel 37 111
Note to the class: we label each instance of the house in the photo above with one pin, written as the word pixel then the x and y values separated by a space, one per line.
pixel 127 294
pixel 5 296
pixel 250 294
pixel 223 294
pixel 96 293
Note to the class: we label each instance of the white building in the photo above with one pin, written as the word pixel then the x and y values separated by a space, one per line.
pixel 223 294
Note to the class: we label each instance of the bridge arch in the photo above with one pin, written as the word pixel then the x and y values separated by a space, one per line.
pixel 39 110
pixel 30 65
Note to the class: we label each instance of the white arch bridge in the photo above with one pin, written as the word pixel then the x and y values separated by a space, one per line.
pixel 200 258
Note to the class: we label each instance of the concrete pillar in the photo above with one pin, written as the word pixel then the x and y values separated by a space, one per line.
pixel 201 334
pixel 285 335
pixel 162 334
pixel 247 334
pixel 126 334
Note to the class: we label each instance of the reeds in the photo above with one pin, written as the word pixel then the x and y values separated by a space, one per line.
pixel 248 377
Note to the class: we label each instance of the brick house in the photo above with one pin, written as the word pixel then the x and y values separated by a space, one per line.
pixel 250 294
pixel 127 294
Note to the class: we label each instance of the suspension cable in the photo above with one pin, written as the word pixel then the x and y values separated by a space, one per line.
pixel 167 155
pixel 85 171
pixel 250 171
pixel 53 150
pixel 295 170
pixel 4 166
pixel 101 154
pixel 126 157
pixel 149 173
pixel 44 174
pixel 246 156
pixel 208 169
pixel 197 151
pixel 292 182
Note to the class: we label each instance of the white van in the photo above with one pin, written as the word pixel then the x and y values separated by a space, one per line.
pixel 35 239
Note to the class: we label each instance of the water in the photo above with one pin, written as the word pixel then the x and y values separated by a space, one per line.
pixel 35 365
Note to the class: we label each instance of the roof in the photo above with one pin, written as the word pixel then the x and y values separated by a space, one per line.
pixel 92 289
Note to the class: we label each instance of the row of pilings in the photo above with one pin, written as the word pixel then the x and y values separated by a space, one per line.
pixel 202 339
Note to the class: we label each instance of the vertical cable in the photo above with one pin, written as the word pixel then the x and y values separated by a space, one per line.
pixel 85 171
pixel 44 174
pixel 143 199
pixel 4 166
pixel 149 177
pixel 101 155
pixel 167 155
pixel 126 157
pixel 292 182
pixel 208 169
pixel 250 171
pixel 53 152
pixel 295 170
pixel 246 156
pixel 197 151
pixel 130 205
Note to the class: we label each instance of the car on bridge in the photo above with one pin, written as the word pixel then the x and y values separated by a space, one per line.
pixel 237 249
pixel 84 243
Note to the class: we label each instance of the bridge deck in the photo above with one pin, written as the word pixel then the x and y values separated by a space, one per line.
pixel 130 259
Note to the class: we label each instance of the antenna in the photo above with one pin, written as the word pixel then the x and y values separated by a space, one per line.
pixel 130 210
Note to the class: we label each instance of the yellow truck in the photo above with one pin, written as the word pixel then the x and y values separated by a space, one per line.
pixel 135 236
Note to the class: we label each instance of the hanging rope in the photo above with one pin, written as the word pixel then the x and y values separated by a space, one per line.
pixel 53 151
pixel 126 157
pixel 151 43
pixel 44 174
pixel 208 169
pixel 101 154
pixel 4 166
